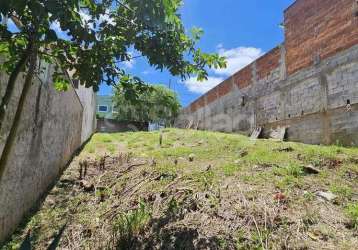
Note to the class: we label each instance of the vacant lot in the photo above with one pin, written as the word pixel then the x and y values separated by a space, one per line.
pixel 200 190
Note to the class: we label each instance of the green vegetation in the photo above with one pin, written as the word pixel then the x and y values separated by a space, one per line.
pixel 92 39
pixel 126 226
pixel 352 211
pixel 159 105
pixel 199 186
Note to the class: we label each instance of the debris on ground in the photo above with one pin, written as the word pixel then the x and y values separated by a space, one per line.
pixel 285 149
pixel 203 197
pixel 328 196
pixel 191 157
pixel 243 153
pixel 310 169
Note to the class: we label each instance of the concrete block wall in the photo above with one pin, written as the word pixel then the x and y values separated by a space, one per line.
pixel 293 85
pixel 52 127
pixel 318 29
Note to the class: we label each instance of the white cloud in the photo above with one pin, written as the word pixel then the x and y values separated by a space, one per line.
pixel 202 87
pixel 237 58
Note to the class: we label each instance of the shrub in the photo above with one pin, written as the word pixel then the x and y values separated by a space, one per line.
pixel 126 226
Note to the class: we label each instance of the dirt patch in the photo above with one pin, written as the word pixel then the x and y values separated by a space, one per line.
pixel 156 198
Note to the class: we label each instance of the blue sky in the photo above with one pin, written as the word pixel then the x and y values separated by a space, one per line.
pixel 242 30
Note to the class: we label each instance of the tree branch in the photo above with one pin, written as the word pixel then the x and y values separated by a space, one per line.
pixel 11 138
pixel 11 83
pixel 133 57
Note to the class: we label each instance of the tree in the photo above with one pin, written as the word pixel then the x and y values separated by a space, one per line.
pixel 99 35
pixel 157 105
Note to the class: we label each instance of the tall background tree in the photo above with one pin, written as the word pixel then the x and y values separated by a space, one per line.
pixel 158 105
pixel 99 35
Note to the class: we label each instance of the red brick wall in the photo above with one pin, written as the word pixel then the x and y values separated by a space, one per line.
pixel 267 63
pixel 224 87
pixel 318 29
pixel 243 78
pixel 313 29
pixel 211 96
pixel 199 103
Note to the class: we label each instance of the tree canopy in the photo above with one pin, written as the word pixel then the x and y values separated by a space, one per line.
pixel 99 35
pixel 158 105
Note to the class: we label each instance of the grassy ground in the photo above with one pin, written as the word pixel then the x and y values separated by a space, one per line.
pixel 200 190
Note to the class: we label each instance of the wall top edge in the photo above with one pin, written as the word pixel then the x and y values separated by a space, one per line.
pixel 249 65
pixel 290 6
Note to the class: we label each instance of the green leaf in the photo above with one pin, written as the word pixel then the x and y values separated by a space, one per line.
pixel 51 35
pixel 61 85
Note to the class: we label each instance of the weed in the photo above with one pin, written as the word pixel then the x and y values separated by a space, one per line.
pixel 248 178
pixel 111 148
pixel 352 212
pixel 310 217
pixel 223 243
pixel 309 196
pixel 240 240
pixel 214 202
pixel 288 182
pixel 101 193
pixel 291 170
pixel 230 169
pixel 294 170
pixel 168 170
pixel 207 179
pixel 173 206
pixel 343 191
pixel 126 226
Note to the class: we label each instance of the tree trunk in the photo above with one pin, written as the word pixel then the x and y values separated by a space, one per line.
pixel 10 140
pixel 11 84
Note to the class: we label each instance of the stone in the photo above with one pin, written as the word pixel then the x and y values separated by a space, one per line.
pixel 191 157
pixel 328 196
pixel 310 169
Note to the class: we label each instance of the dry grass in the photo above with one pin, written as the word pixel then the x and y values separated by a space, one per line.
pixel 234 194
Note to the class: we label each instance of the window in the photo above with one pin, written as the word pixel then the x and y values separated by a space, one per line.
pixel 102 108
pixel 113 110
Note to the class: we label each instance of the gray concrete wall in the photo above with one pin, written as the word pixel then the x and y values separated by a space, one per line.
pixel 311 103
pixel 88 101
pixel 53 126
